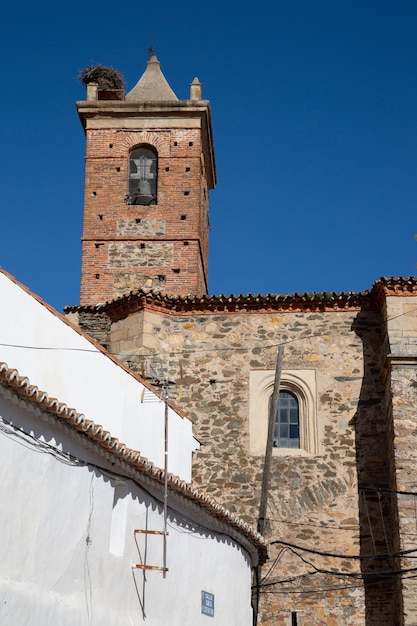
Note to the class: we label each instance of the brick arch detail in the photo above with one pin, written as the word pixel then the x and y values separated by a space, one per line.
pixel 159 141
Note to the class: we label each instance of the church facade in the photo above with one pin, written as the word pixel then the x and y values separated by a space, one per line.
pixel 341 504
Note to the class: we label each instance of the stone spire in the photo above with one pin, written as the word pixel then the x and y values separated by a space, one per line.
pixel 152 86
pixel 196 90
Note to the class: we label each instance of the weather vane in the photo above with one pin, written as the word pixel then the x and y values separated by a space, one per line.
pixel 151 50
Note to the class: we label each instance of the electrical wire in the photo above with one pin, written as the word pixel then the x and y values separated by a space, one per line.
pixel 386 490
pixel 382 520
pixel 163 355
pixel 191 350
pixel 344 556
pixel 310 524
pixel 320 590
pixel 35 445
pixel 273 565
pixel 288 580
pixel 362 493
pixel 28 441
pixel 65 458
pixel 357 575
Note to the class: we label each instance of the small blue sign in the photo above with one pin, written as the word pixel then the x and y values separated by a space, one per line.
pixel 207 603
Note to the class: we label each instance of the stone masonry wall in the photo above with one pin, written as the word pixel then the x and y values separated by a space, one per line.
pixel 402 388
pixel 324 502
pixel 374 457
pixel 141 228
pixel 134 255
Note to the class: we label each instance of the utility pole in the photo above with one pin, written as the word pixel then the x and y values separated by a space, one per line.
pixel 273 410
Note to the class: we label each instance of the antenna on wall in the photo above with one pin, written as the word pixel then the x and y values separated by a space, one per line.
pixel 164 384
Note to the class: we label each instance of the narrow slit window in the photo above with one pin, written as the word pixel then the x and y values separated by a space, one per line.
pixel 143 176
pixel 287 422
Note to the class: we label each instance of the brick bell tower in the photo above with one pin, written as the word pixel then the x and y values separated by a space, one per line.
pixel 149 167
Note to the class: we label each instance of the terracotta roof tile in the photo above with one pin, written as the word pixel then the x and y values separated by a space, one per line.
pixel 314 301
pixel 95 432
pixel 134 301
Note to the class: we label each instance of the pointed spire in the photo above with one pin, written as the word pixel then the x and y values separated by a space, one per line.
pixel 196 90
pixel 152 86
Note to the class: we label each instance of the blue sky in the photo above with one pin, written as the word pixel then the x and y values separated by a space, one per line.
pixel 315 127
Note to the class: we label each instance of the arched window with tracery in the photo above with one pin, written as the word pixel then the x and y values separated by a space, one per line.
pixel 143 176
pixel 287 421
pixel 296 428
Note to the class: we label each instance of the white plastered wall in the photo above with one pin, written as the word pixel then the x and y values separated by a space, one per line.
pixel 60 361
pixel 62 562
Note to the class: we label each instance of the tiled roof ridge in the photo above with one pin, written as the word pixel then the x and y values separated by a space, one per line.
pixel 391 286
pixel 314 300
pixel 398 283
pixel 103 438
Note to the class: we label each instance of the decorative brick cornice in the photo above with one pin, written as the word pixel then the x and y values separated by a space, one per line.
pixel 369 300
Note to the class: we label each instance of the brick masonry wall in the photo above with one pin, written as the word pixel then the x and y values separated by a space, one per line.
pixel 328 501
pixel 170 238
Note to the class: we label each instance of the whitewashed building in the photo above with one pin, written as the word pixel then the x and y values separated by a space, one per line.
pixel 93 530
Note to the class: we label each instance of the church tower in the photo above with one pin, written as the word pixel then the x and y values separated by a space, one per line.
pixel 149 168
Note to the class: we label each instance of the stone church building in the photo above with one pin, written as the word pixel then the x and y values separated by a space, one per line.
pixel 342 500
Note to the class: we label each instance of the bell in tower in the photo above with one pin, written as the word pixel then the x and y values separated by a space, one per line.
pixel 149 168
pixel 142 177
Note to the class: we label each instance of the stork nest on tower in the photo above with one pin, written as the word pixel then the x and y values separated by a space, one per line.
pixel 106 78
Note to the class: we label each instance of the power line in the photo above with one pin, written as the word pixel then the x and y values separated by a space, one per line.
pixel 356 575
pixel 344 556
pixel 190 350
pixel 31 442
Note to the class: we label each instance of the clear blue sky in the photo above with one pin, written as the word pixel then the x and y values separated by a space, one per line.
pixel 315 127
